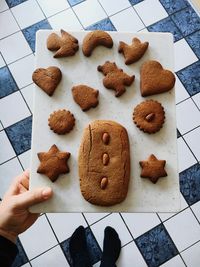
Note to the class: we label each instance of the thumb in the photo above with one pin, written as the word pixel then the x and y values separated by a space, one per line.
pixel 29 198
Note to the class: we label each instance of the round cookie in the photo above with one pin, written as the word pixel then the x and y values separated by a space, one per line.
pixel 149 116
pixel 61 121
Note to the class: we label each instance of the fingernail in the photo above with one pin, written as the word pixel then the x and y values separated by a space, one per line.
pixel 46 193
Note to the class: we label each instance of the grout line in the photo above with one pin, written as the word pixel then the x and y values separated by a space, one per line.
pixel 20 163
pixel 134 239
pixel 51 227
pixel 182 259
pixel 10 158
pixel 139 17
pixel 194 213
pixel 176 72
pixel 77 17
pixel 43 252
pixel 100 219
pixel 195 104
pixel 190 149
pixel 21 57
pixel 26 103
pixel 54 13
pixel 4 10
pixel 173 215
pixel 190 130
pixel 113 13
pixel 190 246
pixel 41 9
pixel 10 34
pixel 126 226
pixel 85 219
pixel 103 8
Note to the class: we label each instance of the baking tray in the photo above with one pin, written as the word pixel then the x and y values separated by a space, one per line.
pixel 143 196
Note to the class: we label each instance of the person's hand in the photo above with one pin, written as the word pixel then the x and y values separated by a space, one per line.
pixel 15 217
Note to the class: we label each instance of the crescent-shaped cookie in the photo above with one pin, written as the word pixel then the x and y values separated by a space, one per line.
pixel 94 39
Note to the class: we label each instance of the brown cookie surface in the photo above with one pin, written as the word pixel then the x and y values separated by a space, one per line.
pixel 47 79
pixel 154 79
pixel 65 46
pixel 133 52
pixel 94 39
pixel 153 169
pixel 53 163
pixel 115 78
pixel 104 163
pixel 85 96
pixel 61 121
pixel 149 116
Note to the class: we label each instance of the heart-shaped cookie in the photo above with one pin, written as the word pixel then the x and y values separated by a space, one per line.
pixel 154 79
pixel 47 79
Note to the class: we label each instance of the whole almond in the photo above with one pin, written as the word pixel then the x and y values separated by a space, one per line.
pixel 104 182
pixel 150 117
pixel 105 159
pixel 106 138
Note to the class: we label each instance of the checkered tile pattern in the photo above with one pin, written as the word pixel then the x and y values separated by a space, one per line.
pixel 153 239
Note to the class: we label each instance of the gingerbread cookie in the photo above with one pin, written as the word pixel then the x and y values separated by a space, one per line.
pixel 85 96
pixel 104 163
pixel 153 168
pixel 53 163
pixel 115 78
pixel 94 39
pixel 133 52
pixel 47 79
pixel 154 79
pixel 65 46
pixel 149 116
pixel 61 121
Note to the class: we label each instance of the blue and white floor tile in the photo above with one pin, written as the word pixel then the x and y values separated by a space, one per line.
pixel 163 239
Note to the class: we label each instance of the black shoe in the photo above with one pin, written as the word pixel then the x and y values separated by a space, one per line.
pixel 78 248
pixel 111 247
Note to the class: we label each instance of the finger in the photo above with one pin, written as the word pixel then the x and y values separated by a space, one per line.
pixel 29 198
pixel 22 189
pixel 25 182
pixel 14 187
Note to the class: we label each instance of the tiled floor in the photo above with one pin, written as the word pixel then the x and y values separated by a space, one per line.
pixel 147 239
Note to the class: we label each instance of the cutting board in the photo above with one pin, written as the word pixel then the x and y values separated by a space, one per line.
pixel 143 196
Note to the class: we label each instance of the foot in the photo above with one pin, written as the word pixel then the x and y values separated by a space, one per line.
pixel 78 248
pixel 111 247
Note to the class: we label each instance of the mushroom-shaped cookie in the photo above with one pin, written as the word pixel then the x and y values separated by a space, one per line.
pixel 85 96
pixel 65 46
pixel 133 52
pixel 94 39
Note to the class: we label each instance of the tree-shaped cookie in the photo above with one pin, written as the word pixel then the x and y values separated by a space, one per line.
pixel 115 78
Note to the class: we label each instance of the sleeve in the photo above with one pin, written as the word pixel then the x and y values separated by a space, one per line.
pixel 8 252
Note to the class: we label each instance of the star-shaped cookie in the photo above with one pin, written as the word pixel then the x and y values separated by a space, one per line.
pixel 53 163
pixel 153 168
